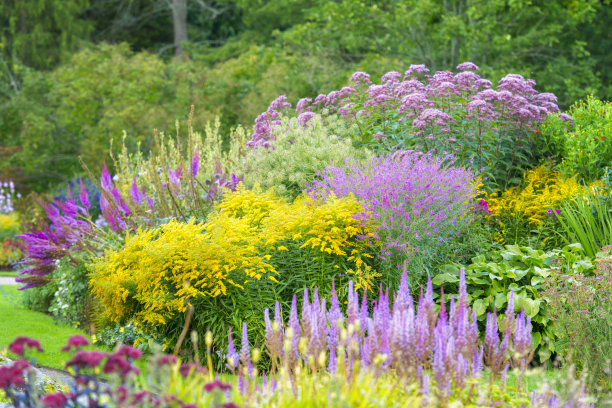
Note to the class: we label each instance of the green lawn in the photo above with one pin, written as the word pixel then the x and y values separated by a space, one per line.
pixel 15 321
pixel 9 273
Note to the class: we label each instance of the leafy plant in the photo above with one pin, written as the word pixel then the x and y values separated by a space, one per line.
pixel 580 304
pixel 253 249
pixel 296 155
pixel 588 220
pixel 582 146
pixel 520 273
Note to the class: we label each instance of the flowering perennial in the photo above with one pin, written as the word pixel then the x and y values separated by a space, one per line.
pixel 442 112
pixel 419 202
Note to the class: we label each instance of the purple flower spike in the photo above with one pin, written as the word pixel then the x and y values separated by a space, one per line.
pixel 105 180
pixel 84 196
pixel 195 162
pixel 135 193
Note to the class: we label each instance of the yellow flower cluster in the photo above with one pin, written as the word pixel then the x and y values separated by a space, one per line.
pixel 158 271
pixel 542 189
pixel 9 222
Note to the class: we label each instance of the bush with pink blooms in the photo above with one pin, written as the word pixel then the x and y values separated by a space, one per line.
pixel 491 129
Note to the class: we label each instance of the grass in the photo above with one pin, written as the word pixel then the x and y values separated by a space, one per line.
pixel 15 321
pixel 8 273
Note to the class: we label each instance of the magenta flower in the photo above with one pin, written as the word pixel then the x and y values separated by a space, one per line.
pixel 20 344
pixel 56 400
pixel 209 387
pixel 77 342
pixel 83 359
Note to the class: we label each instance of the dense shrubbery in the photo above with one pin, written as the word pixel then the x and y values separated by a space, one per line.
pixel 580 305
pixel 254 249
pixel 583 146
pixel 297 154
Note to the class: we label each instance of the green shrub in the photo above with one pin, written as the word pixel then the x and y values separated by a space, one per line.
pixel 586 147
pixel 588 219
pixel 298 154
pixel 521 270
pixel 581 307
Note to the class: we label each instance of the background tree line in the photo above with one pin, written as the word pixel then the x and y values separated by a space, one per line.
pixel 76 73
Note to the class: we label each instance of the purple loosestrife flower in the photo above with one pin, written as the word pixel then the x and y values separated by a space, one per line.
pixel 135 192
pixel 105 180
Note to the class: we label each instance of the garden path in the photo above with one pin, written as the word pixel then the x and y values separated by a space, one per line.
pixel 7 280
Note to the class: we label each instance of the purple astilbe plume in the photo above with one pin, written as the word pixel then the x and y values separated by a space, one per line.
pixel 232 357
pixel 522 348
pixel 245 352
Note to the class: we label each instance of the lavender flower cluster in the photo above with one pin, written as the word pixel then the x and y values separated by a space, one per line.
pixel 7 197
pixel 418 201
pixel 437 347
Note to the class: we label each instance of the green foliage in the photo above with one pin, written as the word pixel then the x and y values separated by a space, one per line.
pixel 71 303
pixel 586 147
pixel 298 154
pixel 37 34
pixel 588 219
pixel 581 306
pixel 541 39
pixel 523 271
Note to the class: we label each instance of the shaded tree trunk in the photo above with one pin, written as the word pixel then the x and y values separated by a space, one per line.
pixel 179 17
